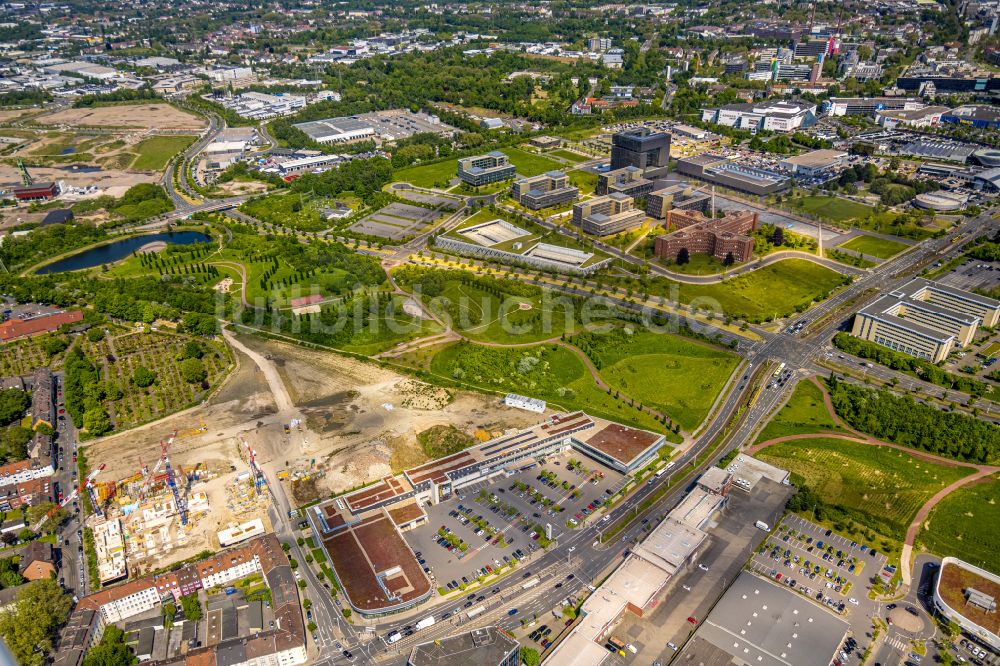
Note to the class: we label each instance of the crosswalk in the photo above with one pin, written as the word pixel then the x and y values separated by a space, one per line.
pixel 898 643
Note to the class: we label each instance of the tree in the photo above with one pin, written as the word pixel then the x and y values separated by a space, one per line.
pixel 191 607
pixel 143 376
pixel 28 629
pixel 193 370
pixel 683 256
pixel 111 651
pixel 729 260
pixel 193 350
pixel 13 403
pixel 530 656
pixel 169 611
pixel 778 237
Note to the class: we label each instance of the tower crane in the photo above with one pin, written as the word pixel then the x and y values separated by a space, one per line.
pixel 87 484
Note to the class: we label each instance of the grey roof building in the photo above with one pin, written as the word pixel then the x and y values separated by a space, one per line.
pixel 489 646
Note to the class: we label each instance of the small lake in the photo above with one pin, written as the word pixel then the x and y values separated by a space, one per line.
pixel 112 252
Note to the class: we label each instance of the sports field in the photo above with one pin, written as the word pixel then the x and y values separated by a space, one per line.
pixel 767 293
pixel 966 524
pixel 155 152
pixel 804 413
pixel 883 486
pixel 882 248
pixel 673 374
pixel 831 208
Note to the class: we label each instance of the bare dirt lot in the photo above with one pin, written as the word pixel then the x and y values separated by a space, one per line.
pixel 159 116
pixel 112 182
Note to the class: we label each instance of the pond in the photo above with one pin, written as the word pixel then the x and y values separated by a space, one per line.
pixel 112 252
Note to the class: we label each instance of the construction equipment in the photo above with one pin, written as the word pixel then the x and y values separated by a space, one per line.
pixel 26 178
pixel 85 485
pixel 258 475
pixel 179 502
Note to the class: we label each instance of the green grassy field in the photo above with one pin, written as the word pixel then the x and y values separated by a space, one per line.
pixel 966 524
pixel 673 374
pixel 280 209
pixel 548 372
pixel 884 487
pixel 530 164
pixel 569 156
pixel 438 174
pixel 830 208
pixel 585 180
pixel 875 247
pixel 155 152
pixel 699 264
pixel 804 413
pixel 773 291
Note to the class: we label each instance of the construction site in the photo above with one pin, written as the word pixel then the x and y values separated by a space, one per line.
pixel 165 512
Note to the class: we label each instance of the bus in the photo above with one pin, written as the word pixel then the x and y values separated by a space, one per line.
pixel 661 472
pixel 778 371
pixel 531 583
pixel 475 611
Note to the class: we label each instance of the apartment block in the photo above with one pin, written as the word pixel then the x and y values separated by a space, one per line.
pixel 627 180
pixel 718 237
pixel 548 189
pixel 479 170
pixel 641 148
pixel 610 214
pixel 925 319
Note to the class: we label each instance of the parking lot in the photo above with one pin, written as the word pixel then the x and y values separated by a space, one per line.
pixel 819 563
pixel 973 274
pixel 490 525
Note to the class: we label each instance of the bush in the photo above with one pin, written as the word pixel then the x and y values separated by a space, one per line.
pixel 193 370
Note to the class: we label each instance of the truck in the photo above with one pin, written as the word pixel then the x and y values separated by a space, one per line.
pixel 424 623
pixel 531 583
pixel 761 525
pixel 616 645
pixel 393 637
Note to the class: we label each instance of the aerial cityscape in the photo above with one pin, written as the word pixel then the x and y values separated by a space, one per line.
pixel 500 333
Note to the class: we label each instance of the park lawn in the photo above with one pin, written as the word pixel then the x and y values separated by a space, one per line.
pixel 569 156
pixel 530 164
pixel 880 486
pixel 773 291
pixel 698 264
pixel 434 174
pixel 882 248
pixel 966 524
pixel 381 332
pixel 280 209
pixel 585 180
pixel 804 413
pixel 673 374
pixel 830 208
pixel 549 372
pixel 155 152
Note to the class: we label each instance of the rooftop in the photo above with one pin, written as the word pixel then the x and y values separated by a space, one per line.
pixel 488 645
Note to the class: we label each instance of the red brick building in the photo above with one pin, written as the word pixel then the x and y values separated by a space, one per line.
pixel 25 328
pixel 37 192
pixel 706 235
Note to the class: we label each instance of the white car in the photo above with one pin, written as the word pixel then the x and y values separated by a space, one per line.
pixel 702 567
pixel 853 601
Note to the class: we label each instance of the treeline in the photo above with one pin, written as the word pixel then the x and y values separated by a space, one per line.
pixel 904 421
pixel 140 202
pixel 25 98
pixel 116 97
pixel 84 391
pixel 49 241
pixel 910 364
pixel 363 177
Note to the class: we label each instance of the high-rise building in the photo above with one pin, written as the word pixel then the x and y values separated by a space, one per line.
pixel 641 148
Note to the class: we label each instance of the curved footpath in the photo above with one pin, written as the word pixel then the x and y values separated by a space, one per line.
pixel 906 555
pixel 772 258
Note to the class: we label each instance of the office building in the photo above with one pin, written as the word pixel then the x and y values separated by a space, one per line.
pixel 720 170
pixel 811 48
pixel 610 214
pixel 549 189
pixel 599 43
pixel 488 646
pixel 717 237
pixel 627 180
pixel 479 170
pixel 948 84
pixel 679 196
pixel 867 106
pixel 772 115
pixel 641 148
pixel 967 595
pixel 925 319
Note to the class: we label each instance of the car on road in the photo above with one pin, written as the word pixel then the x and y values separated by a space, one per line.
pixel 512 612
pixel 702 566
pixel 693 620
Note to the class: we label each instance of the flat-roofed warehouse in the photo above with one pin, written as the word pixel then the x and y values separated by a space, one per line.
pixel 761 623
pixel 336 130
pixel 720 170
pixel 815 162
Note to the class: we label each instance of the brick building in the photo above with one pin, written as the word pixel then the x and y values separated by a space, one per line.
pixel 705 235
